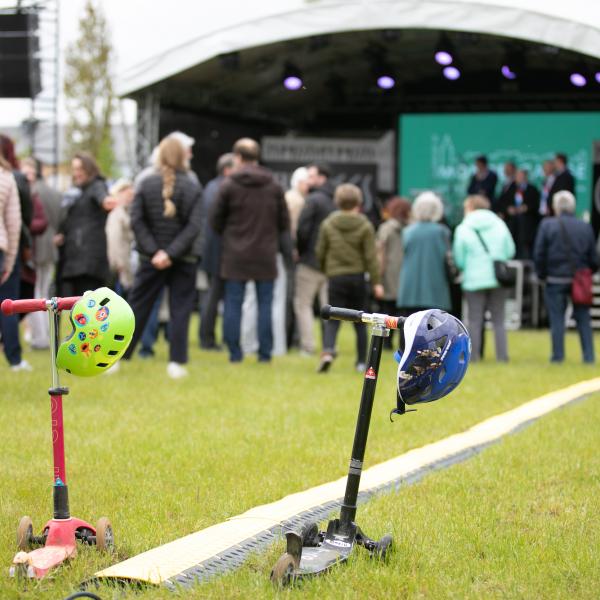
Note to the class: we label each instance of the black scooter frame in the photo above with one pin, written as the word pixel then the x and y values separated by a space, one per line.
pixel 311 552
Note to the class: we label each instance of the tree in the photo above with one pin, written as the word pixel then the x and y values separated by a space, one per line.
pixel 88 89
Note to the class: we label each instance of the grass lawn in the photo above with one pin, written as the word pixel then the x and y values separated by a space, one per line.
pixel 162 459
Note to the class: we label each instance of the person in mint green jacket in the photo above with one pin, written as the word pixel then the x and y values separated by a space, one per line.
pixel 479 284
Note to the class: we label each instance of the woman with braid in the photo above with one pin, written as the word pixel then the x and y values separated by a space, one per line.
pixel 165 218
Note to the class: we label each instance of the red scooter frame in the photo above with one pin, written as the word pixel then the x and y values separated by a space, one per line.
pixel 59 537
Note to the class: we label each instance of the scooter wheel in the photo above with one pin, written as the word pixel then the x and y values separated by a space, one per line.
pixel 24 533
pixel 282 574
pixel 383 545
pixel 105 540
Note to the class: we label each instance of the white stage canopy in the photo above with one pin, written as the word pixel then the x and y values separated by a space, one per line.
pixel 191 33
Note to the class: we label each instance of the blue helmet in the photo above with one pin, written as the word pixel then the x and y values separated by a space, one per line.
pixel 435 357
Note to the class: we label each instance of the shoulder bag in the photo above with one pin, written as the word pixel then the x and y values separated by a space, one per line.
pixel 581 286
pixel 505 275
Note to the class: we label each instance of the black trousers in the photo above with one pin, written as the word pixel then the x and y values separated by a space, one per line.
pixel 76 286
pixel 209 311
pixel 347 291
pixel 180 279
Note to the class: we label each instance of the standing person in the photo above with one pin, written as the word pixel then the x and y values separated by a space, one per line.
pixel 423 280
pixel 250 214
pixel 119 236
pixel 12 290
pixel 548 181
pixel 390 252
pixel 522 215
pixel 166 218
pixel 484 180
pixel 481 238
pixel 295 199
pixel 10 232
pixel 346 252
pixel 563 178
pixel 564 244
pixel 81 236
pixel 507 193
pixel 311 283
pixel 211 258
pixel 45 254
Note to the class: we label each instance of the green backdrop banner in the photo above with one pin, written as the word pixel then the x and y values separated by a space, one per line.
pixel 437 151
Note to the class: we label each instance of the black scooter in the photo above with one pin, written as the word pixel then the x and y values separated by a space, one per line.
pixel 311 552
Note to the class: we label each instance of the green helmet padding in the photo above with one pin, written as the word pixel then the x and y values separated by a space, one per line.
pixel 103 325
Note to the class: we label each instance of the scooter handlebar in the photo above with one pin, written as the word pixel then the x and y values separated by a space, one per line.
pixel 359 316
pixel 341 314
pixel 11 307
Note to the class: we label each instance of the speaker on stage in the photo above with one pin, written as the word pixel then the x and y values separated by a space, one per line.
pixel 19 47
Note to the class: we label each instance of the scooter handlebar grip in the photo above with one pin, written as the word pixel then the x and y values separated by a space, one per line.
pixel 341 314
pixel 67 303
pixel 11 307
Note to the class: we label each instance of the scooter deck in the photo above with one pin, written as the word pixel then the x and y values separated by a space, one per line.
pixel 38 562
pixel 321 558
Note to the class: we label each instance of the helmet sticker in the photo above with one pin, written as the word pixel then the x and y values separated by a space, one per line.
pixel 102 314
pixel 81 335
pixel 72 349
pixel 104 327
pixel 85 348
pixel 81 319
pixel 93 333
pixel 97 347
pixel 91 303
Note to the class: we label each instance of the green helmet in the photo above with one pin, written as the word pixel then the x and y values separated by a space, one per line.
pixel 103 325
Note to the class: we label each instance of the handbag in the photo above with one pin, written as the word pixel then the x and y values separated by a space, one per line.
pixel 582 285
pixel 506 275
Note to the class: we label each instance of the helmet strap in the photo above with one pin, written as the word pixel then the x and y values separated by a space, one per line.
pixel 400 407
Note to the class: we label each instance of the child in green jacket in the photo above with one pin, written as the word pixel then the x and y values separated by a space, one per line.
pixel 346 253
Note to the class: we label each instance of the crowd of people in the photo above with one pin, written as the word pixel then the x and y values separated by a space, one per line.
pixel 270 257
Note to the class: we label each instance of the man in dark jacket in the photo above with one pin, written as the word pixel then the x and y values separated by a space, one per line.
pixel 250 213
pixel 483 182
pixel 563 178
pixel 211 258
pixel 564 244
pixel 310 281
pixel 522 215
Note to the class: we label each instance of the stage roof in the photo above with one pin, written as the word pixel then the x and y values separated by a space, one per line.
pixel 205 30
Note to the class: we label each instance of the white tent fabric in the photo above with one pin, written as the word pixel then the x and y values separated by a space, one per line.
pixel 208 28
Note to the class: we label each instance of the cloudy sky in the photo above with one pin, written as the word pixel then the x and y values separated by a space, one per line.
pixel 139 29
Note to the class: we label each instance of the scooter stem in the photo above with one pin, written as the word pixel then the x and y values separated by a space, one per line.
pixel 348 511
pixel 60 491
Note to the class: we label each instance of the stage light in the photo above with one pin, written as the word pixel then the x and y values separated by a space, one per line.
pixel 292 82
pixel 508 73
pixel 597 76
pixel 451 73
pixel 578 80
pixel 292 78
pixel 443 58
pixel 386 82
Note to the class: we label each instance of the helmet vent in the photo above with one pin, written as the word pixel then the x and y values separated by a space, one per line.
pixel 113 352
pixel 441 374
pixel 441 342
pixel 433 322
pixel 102 364
pixel 461 358
pixel 119 337
pixel 105 301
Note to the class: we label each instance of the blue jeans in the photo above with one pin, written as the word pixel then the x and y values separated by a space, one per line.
pixel 556 296
pixel 232 318
pixel 9 326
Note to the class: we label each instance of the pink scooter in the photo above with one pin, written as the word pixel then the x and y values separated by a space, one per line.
pixel 59 537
